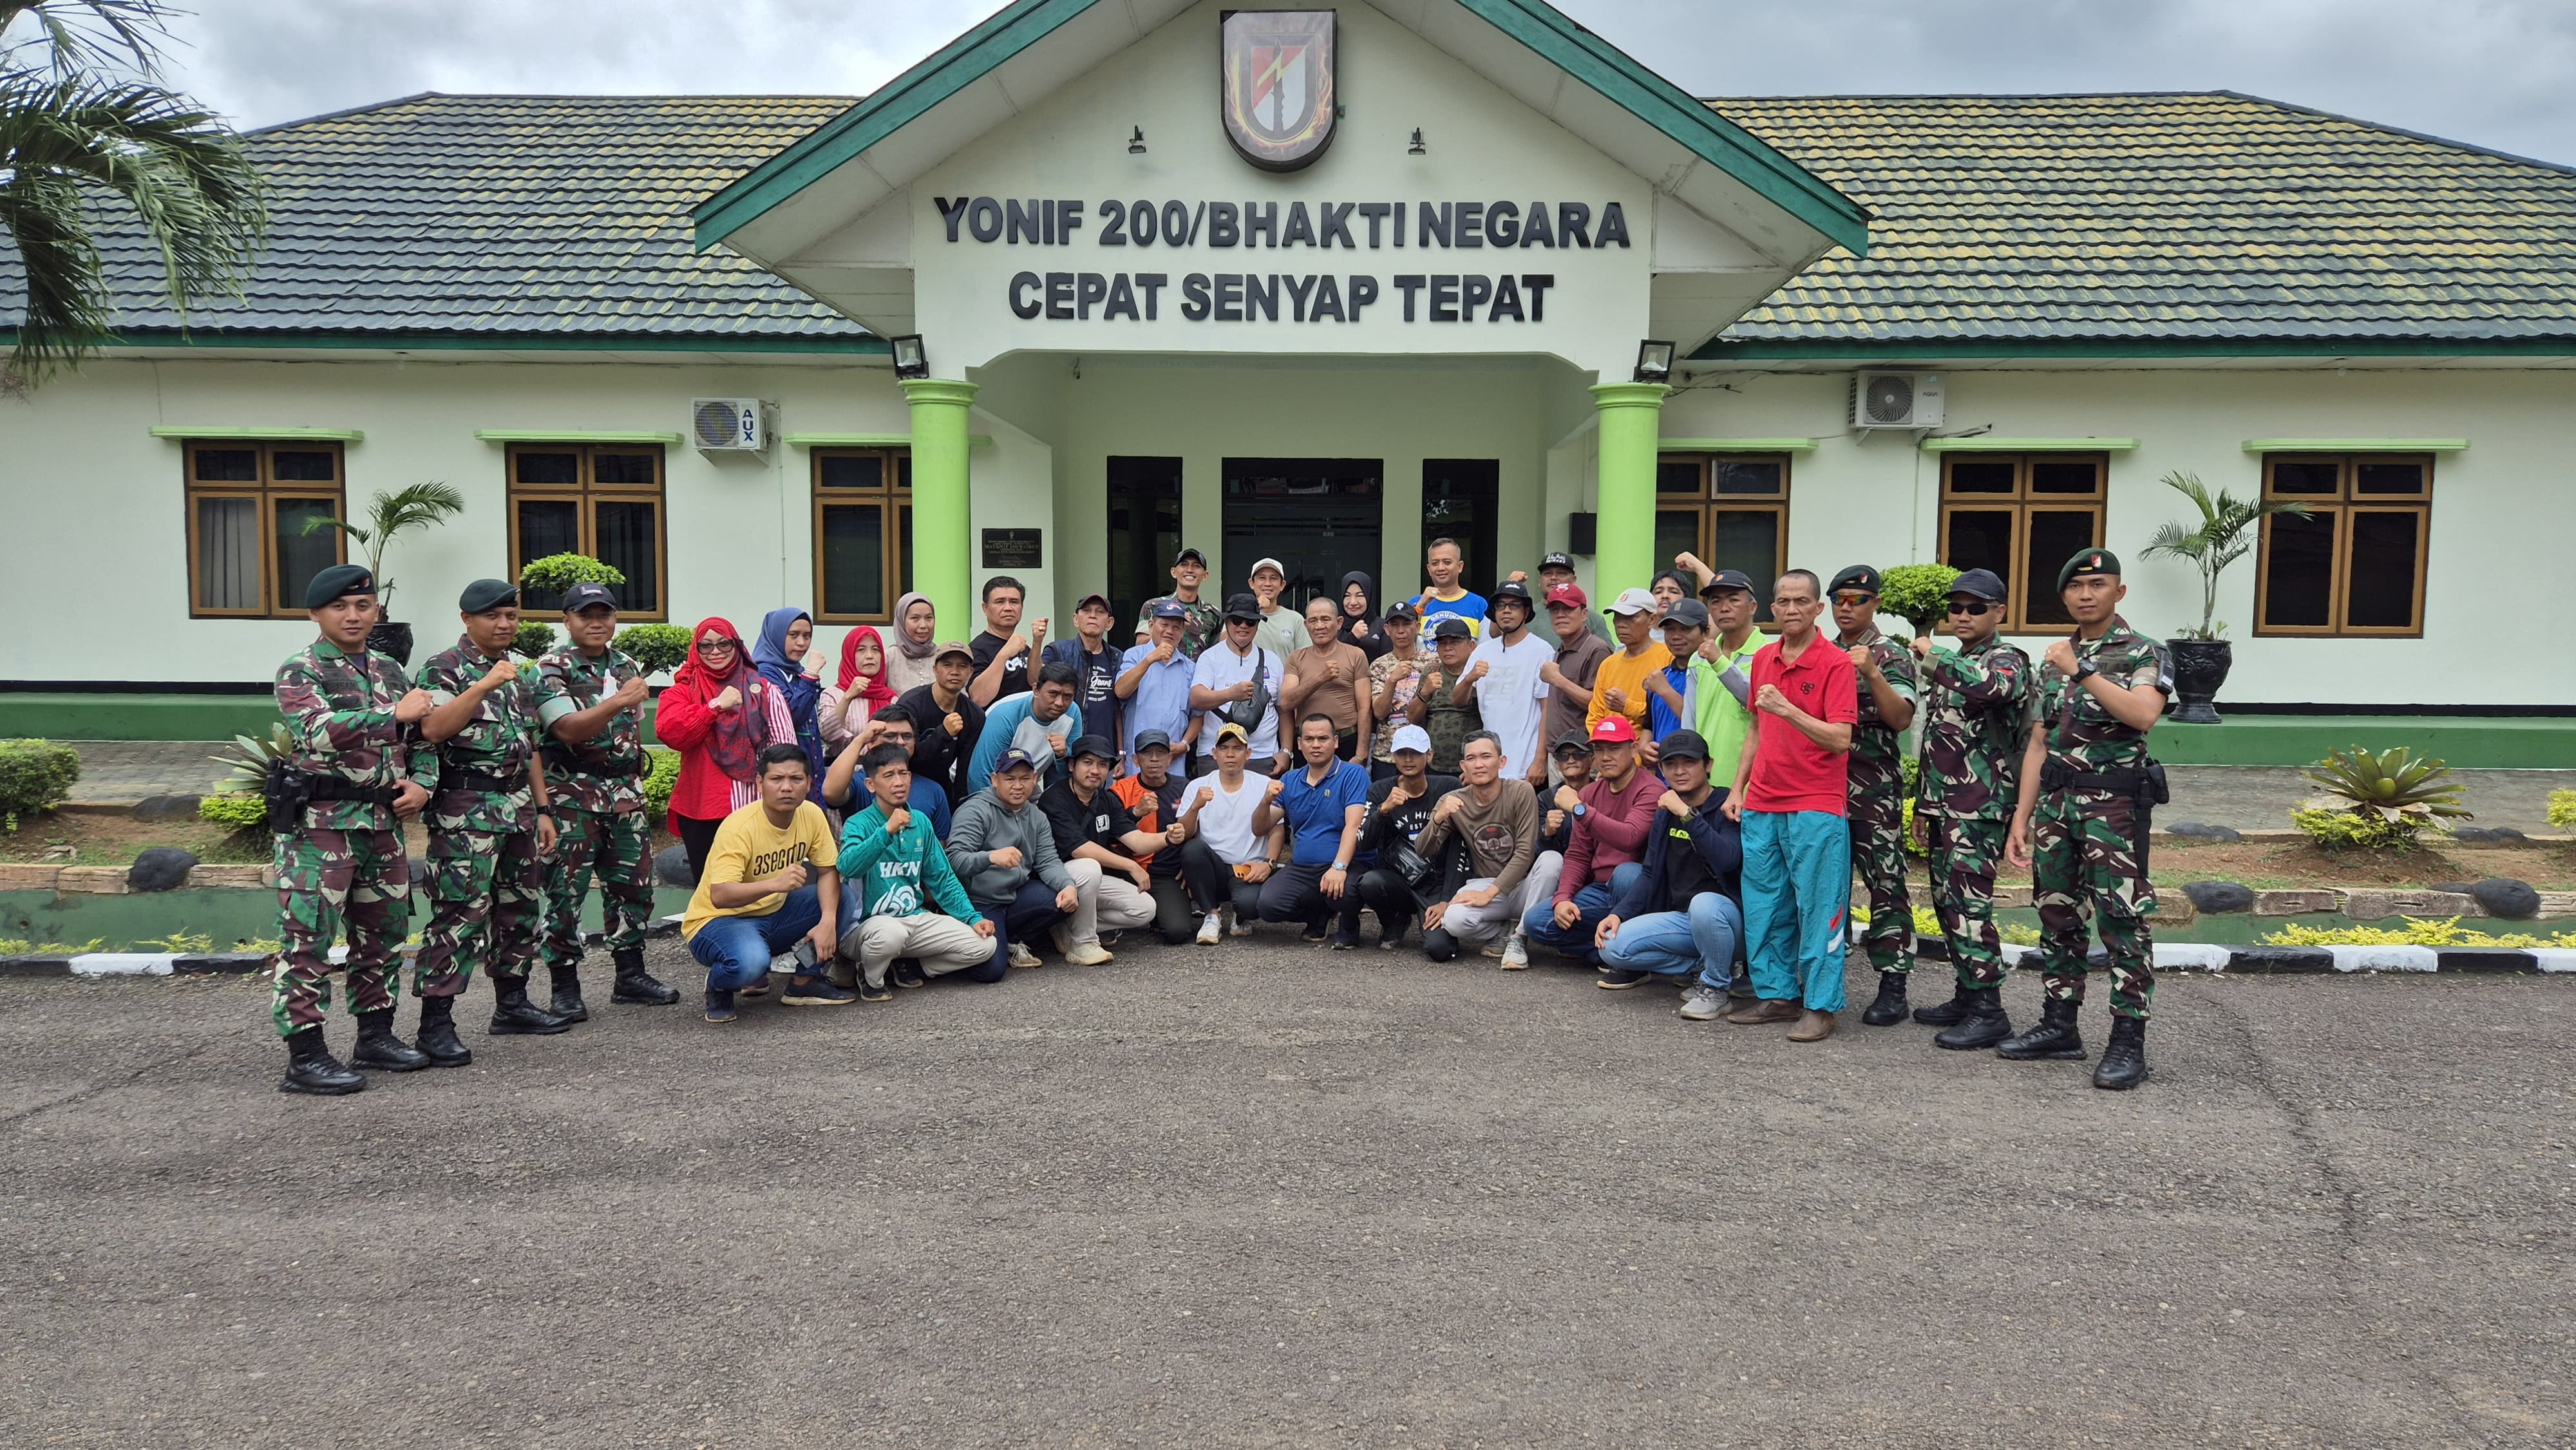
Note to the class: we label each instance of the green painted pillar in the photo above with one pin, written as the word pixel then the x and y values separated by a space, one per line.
pixel 1631 418
pixel 943 557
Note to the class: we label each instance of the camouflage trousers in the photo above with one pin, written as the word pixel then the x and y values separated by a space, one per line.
pixel 1964 856
pixel 613 846
pixel 326 878
pixel 1878 857
pixel 486 908
pixel 2083 855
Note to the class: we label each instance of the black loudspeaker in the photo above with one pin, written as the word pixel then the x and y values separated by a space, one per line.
pixel 1582 533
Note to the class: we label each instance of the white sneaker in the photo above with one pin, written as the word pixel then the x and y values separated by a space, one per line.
pixel 1062 938
pixel 1515 953
pixel 1235 925
pixel 1702 1003
pixel 1211 929
pixel 1021 956
pixel 1086 954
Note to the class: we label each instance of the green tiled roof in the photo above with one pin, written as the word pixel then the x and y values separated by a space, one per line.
pixel 2151 222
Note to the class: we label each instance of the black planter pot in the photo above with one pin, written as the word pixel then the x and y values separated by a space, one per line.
pixel 2200 668
pixel 392 639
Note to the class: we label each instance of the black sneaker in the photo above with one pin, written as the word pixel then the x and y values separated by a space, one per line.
pixel 907 973
pixel 719 1004
pixel 815 992
pixel 1344 941
pixel 1313 935
pixel 1616 981
pixel 875 991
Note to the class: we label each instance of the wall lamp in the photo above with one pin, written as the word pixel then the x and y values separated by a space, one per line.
pixel 1136 143
pixel 1654 362
pixel 910 360
pixel 1417 148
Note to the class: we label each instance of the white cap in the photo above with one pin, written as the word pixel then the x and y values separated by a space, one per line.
pixel 1634 601
pixel 1410 737
pixel 1272 565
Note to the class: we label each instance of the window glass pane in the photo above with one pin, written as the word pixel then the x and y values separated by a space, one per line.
pixel 228 553
pixel 228 465
pixel 627 543
pixel 622 468
pixel 854 559
pixel 1749 540
pixel 1981 539
pixel 1981 476
pixel 1681 476
pixel 1760 479
pixel 2056 535
pixel 300 555
pixel 303 465
pixel 549 526
pixel 850 470
pixel 2388 478
pixel 549 468
pixel 2061 477
pixel 2314 478
pixel 905 543
pixel 2379 583
pixel 1676 532
pixel 903 471
pixel 2298 584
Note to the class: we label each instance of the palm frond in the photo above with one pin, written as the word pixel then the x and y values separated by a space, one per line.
pixel 414 506
pixel 85 34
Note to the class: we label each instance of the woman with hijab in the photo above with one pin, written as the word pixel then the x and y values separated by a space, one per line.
pixel 719 714
pixel 786 638
pixel 860 691
pixel 1359 616
pixel 916 643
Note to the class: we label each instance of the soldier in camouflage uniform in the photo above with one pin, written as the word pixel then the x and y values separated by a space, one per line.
pixel 589 698
pixel 2087 789
pixel 1884 672
pixel 1976 703
pixel 340 855
pixel 489 823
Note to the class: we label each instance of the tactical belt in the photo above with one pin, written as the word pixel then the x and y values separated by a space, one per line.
pixel 457 780
pixel 626 769
pixel 2127 780
pixel 336 788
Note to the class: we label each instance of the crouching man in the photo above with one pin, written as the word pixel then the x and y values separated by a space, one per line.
pixel 1499 822
pixel 1002 847
pixel 1680 916
pixel 896 869
pixel 771 887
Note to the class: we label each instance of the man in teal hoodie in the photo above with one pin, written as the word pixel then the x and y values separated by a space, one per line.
pixel 896 869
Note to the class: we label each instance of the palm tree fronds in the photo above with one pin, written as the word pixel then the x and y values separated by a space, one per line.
pixel 83 34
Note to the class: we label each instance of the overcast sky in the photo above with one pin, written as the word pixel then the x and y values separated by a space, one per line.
pixel 2492 72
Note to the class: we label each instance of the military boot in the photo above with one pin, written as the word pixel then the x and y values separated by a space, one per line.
pixel 2056 1037
pixel 513 1015
pixel 381 1051
pixel 310 1068
pixel 1947 1013
pixel 1984 1026
pixel 2124 1062
pixel 437 1039
pixel 1890 1006
pixel 567 1003
pixel 636 986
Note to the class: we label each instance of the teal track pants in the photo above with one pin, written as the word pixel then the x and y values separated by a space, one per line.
pixel 1797 904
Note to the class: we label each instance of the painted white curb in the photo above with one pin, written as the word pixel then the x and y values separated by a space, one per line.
pixel 121 964
pixel 2553 959
pixel 2385 959
pixel 2190 956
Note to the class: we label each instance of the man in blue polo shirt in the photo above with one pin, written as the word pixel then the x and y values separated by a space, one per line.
pixel 1153 685
pixel 1324 805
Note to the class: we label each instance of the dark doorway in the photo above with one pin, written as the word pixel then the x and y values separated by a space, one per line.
pixel 1319 517
pixel 1460 497
pixel 1144 535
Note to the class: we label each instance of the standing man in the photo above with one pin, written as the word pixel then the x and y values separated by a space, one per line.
pixel 1582 643
pixel 1725 714
pixel 1508 673
pixel 1092 824
pixel 1446 700
pixel 947 724
pixel 1394 679
pixel 1884 670
pixel 896 871
pixel 1498 820
pixel 772 885
pixel 1324 806
pixel 1976 709
pixel 1283 630
pixel 1154 684
pixel 1003 849
pixel 1447 598
pixel 490 821
pixel 1095 663
pixel 1330 677
pixel 338 801
pixel 1557 570
pixel 1679 916
pixel 1608 819
pixel 1200 619
pixel 1040 723
pixel 1237 682
pixel 1790 792
pixel 1677 693
pixel 1001 655
pixel 589 699
pixel 1619 683
pixel 2087 789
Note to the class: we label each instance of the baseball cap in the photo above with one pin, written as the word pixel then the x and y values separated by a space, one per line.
pixel 1682 745
pixel 582 596
pixel 1569 595
pixel 1095 745
pixel 1858 576
pixel 950 647
pixel 1556 561
pixel 1088 600
pixel 1243 607
pixel 2090 561
pixel 1410 737
pixel 1688 612
pixel 1271 564
pixel 1013 760
pixel 1152 740
pixel 1572 740
pixel 1726 579
pixel 1189 556
pixel 1978 584
pixel 1403 609
pixel 1171 609
pixel 1452 627
pixel 1231 730
pixel 1614 730
pixel 1633 601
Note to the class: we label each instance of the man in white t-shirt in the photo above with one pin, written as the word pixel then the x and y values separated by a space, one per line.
pixel 1218 822
pixel 1231 675
pixel 1511 696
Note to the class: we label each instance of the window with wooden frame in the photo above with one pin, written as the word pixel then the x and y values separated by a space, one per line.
pixel 249 556
pixel 599 499
pixel 862 533
pixel 1731 509
pixel 2022 516
pixel 2353 564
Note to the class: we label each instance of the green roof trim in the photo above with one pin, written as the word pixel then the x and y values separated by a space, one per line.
pixel 492 341
pixel 870 440
pixel 1735 445
pixel 1990 444
pixel 569 435
pixel 2355 445
pixel 261 435
pixel 1537 26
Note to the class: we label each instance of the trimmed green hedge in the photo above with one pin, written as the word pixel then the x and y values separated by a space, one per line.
pixel 241 810
pixel 659 780
pixel 35 775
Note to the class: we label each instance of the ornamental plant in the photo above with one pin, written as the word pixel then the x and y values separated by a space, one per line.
pixel 2378 802
pixel 241 811
pixel 556 573
pixel 659 648
pixel 2417 932
pixel 35 775
pixel 2562 808
pixel 658 781
pixel 1919 594
pixel 389 514
pixel 249 760
pixel 2225 535
pixel 533 639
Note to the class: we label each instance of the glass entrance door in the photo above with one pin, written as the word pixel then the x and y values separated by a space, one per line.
pixel 1144 496
pixel 1319 517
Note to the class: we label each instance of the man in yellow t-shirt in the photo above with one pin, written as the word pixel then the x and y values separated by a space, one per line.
pixel 771 886
pixel 1619 686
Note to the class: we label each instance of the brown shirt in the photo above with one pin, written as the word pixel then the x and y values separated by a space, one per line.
pixel 1337 698
pixel 1579 662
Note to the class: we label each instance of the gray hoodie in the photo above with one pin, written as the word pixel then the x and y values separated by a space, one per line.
pixel 984 825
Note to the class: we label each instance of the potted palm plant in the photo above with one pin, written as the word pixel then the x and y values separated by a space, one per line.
pixel 389 515
pixel 2202 655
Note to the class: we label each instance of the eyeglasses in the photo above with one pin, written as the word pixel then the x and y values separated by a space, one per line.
pixel 718 646
pixel 1854 601
pixel 1971 607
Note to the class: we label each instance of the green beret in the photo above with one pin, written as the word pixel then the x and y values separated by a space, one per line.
pixel 2089 561
pixel 338 582
pixel 1859 576
pixel 485 595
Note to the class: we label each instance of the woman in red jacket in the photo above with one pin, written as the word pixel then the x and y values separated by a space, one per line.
pixel 719 714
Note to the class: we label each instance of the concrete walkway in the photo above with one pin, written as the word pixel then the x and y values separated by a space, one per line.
pixel 121 772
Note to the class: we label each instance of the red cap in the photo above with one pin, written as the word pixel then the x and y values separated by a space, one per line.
pixel 1615 730
pixel 1568 594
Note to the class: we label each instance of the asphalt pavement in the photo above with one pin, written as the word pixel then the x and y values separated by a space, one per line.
pixel 1267 1195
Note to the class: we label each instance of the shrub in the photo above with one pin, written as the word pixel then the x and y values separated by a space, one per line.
pixel 2562 808
pixel 556 573
pixel 1919 594
pixel 35 775
pixel 533 640
pixel 250 757
pixel 1913 776
pixel 240 810
pixel 2015 934
pixel 659 780
pixel 2417 932
pixel 659 648
pixel 2383 800
pixel 2342 830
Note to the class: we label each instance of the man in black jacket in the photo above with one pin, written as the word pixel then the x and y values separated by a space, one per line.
pixel 946 723
pixel 1399 807
pixel 1682 916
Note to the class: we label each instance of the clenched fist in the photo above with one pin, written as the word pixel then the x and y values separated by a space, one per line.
pixel 1771 701
pixel 727 698
pixel 790 879
pixel 503 671
pixel 414 706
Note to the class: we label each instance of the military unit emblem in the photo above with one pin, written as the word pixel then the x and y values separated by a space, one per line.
pixel 1278 94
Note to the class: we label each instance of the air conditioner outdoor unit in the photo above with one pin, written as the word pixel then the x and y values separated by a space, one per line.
pixel 1896 400
pixel 730 425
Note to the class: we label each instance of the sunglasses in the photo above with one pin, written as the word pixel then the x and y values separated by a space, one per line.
pixel 1854 601
pixel 1971 607
pixel 718 646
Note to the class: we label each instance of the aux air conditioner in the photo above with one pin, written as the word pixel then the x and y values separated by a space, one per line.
pixel 730 425
pixel 1896 400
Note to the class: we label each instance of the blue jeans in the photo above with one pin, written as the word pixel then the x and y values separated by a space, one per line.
pixel 735 950
pixel 1797 905
pixel 1594 901
pixel 1674 943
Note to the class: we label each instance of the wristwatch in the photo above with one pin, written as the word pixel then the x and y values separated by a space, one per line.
pixel 1580 810
pixel 2084 671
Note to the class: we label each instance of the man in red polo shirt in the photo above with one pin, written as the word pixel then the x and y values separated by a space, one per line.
pixel 1791 794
